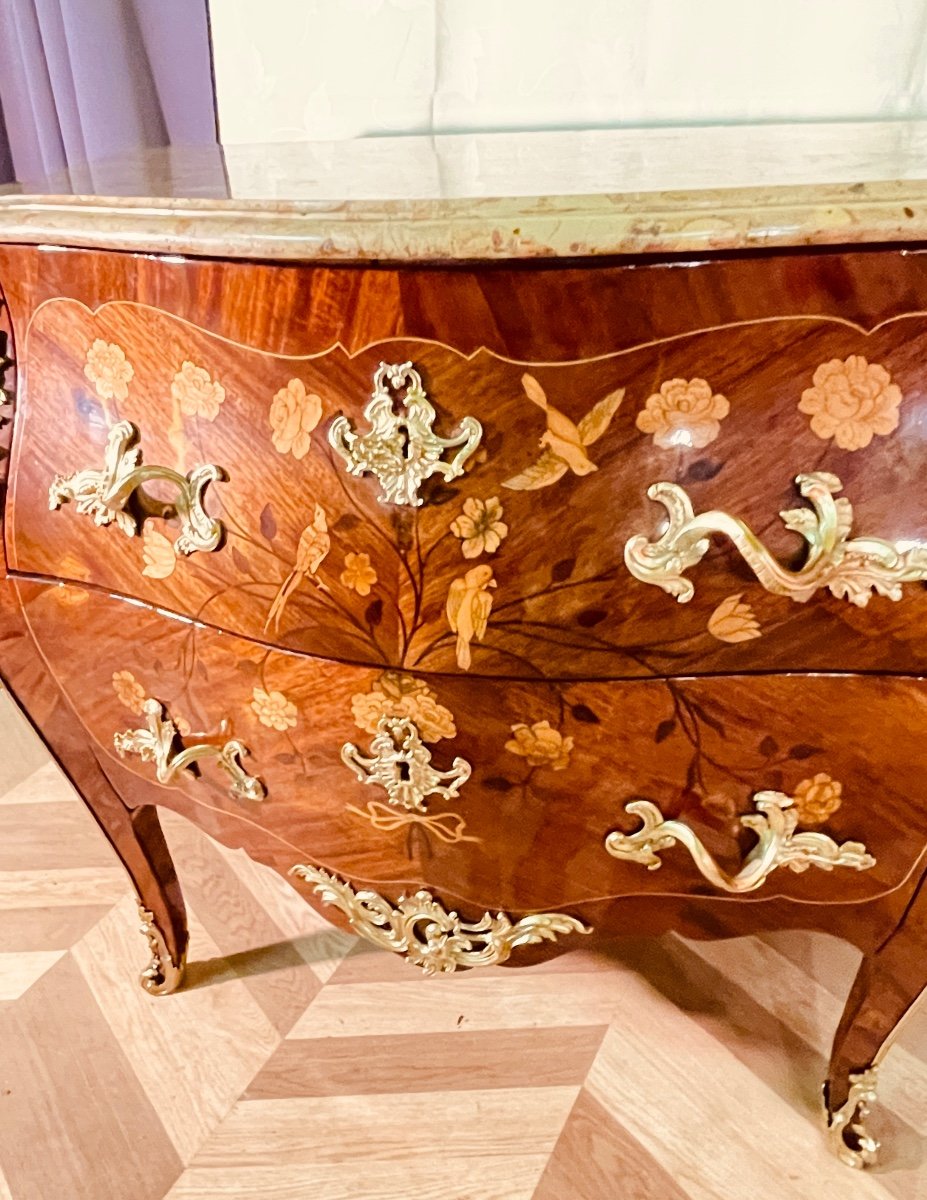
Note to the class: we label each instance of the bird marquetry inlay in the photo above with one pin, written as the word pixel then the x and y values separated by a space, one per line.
pixel 564 444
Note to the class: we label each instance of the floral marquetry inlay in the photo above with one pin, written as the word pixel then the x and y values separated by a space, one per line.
pixel 129 691
pixel 358 574
pixel 733 621
pixel 852 401
pixel 396 694
pixel 685 413
pixel 108 369
pixel 274 710
pixel 196 392
pixel 294 414
pixel 480 527
pixel 817 799
pixel 158 554
pixel 540 745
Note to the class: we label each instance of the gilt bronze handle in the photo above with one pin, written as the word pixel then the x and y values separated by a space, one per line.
pixel 117 493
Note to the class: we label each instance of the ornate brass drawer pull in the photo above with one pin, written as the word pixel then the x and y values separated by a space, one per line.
pixel 155 743
pixel 401 448
pixel 400 763
pixel 117 493
pixel 430 936
pixel 778 844
pixel 850 568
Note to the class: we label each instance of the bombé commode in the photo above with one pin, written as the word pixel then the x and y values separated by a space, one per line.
pixel 472 544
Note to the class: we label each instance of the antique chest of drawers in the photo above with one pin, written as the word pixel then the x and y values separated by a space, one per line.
pixel 506 573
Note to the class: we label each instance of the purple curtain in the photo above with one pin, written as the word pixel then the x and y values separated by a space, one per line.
pixel 83 80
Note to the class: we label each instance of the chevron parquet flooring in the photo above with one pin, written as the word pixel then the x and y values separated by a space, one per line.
pixel 299 1063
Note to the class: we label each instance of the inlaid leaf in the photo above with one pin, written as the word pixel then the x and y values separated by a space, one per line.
pixel 769 746
pixel 496 783
pixel 664 730
pixel 701 470
pixel 374 613
pixel 706 717
pixel 562 570
pixel 286 759
pixel 439 493
pixel 591 616
pixel 346 522
pixel 268 523
pixel 240 561
pixel 582 712
pixel 803 750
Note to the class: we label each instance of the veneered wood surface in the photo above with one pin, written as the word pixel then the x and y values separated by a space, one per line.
pixel 563 602
pixel 699 749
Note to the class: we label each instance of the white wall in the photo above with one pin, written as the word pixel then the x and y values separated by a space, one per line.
pixel 294 70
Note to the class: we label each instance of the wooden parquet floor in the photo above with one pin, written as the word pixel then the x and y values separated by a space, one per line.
pixel 300 1064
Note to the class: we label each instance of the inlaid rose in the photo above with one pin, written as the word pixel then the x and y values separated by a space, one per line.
pixel 294 414
pixel 851 401
pixel 684 413
pixel 196 392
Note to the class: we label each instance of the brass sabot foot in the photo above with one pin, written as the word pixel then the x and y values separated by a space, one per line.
pixel 162 975
pixel 846 1126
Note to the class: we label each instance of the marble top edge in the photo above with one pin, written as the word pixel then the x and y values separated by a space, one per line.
pixel 490 196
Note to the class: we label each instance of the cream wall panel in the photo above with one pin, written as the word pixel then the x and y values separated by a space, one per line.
pixel 294 70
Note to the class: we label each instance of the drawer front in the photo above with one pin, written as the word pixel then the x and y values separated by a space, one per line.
pixel 545 556
pixel 513 795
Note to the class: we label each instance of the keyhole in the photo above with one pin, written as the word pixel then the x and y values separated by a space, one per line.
pixel 403 768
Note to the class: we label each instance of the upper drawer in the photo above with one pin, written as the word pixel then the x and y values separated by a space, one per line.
pixel 518 566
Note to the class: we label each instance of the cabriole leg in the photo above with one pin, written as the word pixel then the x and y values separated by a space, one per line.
pixel 885 990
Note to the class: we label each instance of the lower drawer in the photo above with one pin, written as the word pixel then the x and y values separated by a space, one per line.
pixel 506 795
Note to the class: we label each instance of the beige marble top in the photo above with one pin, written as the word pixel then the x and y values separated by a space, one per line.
pixel 495 196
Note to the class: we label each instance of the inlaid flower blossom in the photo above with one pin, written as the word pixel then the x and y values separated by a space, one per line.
pixel 358 574
pixel 817 799
pixel 480 526
pixel 129 691
pixel 851 401
pixel 540 745
pixel 274 710
pixel 733 621
pixel 158 554
pixel 294 414
pixel 196 392
pixel 396 694
pixel 108 370
pixel 684 413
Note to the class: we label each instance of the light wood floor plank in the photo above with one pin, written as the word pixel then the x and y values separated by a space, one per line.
pixel 74 1121
pixel 434 1175
pixel 193 1052
pixel 27 885
pixel 707 1119
pixel 429 1062
pixel 468 1125
pixel 596 1158
pixel 513 1000
pixel 18 972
